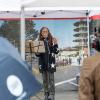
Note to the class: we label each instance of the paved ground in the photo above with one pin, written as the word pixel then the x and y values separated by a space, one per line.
pixel 65 95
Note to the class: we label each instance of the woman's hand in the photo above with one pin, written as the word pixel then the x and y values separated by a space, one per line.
pixel 54 41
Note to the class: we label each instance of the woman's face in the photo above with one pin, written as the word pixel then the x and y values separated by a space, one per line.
pixel 44 33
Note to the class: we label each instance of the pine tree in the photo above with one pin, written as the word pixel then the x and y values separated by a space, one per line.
pixel 11 30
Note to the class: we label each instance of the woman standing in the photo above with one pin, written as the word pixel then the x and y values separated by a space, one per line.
pixel 47 62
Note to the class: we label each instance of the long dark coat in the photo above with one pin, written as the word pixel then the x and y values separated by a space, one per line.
pixel 47 59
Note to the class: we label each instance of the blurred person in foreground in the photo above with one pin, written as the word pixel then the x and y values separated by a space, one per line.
pixel 89 85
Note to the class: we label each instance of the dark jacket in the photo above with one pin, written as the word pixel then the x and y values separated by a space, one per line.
pixel 47 59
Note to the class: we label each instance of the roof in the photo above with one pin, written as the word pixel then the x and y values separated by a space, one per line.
pixel 61 3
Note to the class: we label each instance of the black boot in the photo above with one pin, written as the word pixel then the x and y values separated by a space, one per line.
pixel 46 95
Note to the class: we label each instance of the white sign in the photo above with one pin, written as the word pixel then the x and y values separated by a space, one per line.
pixel 14 85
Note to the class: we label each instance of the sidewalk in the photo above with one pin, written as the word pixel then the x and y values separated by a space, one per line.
pixel 61 95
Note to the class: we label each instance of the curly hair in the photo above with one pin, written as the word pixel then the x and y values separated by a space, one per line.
pixel 50 38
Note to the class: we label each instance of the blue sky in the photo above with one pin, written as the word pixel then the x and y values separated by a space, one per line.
pixel 61 29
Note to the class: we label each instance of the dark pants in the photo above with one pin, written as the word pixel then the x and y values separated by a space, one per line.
pixel 48 83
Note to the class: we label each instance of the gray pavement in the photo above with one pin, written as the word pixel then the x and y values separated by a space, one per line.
pixel 65 95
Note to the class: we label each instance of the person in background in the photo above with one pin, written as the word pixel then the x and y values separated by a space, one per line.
pixel 89 85
pixel 79 60
pixel 70 61
pixel 47 62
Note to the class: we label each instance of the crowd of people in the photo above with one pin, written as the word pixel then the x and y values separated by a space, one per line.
pixel 64 62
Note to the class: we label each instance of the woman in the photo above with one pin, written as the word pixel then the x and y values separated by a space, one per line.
pixel 47 62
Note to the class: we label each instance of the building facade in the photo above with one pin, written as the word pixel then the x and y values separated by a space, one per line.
pixel 81 37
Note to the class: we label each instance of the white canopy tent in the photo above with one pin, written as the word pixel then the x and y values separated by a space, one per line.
pixel 10 5
pixel 94 13
pixel 59 13
pixel 67 9
pixel 51 14
pixel 61 3
pixel 40 14
pixel 55 14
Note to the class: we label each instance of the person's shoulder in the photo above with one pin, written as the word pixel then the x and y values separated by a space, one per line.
pixel 91 61
pixel 94 58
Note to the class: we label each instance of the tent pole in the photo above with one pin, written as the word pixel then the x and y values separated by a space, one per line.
pixel 87 14
pixel 22 36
